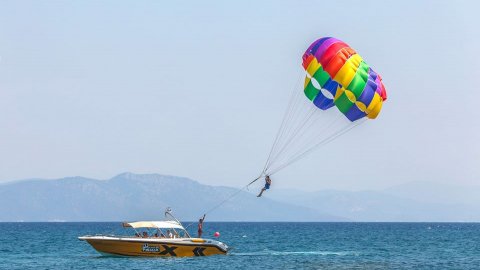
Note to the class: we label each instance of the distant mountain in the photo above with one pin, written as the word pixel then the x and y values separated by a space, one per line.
pixel 139 197
pixel 429 192
pixel 414 201
pixel 145 196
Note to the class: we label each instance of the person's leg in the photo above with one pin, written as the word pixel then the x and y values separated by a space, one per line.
pixel 261 192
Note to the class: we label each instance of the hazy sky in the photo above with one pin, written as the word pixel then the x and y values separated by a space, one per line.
pixel 198 89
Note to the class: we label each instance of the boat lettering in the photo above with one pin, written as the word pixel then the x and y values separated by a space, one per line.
pixel 167 250
pixel 147 248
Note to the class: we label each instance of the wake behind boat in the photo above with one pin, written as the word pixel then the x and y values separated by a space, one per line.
pixel 156 238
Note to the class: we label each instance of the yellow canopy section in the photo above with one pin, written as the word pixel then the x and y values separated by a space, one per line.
pixel 154 224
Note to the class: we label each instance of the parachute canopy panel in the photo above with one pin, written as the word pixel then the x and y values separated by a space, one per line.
pixel 334 66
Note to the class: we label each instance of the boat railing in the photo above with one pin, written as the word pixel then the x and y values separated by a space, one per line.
pixel 134 236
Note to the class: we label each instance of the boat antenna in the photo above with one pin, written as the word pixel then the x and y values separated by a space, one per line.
pixel 168 212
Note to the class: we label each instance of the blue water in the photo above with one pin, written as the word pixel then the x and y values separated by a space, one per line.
pixel 258 246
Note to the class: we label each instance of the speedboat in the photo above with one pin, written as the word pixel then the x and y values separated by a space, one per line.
pixel 156 238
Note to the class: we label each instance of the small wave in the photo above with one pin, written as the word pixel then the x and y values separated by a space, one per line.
pixel 284 253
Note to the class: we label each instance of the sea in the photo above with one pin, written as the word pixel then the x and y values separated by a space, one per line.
pixel 257 245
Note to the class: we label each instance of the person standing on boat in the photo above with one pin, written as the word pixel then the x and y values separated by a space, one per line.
pixel 200 226
pixel 268 182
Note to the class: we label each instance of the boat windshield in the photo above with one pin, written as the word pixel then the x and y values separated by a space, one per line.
pixel 160 233
pixel 171 227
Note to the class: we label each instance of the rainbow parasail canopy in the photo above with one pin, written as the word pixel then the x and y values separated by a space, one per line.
pixel 338 76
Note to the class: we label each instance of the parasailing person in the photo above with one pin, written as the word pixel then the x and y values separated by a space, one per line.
pixel 268 182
